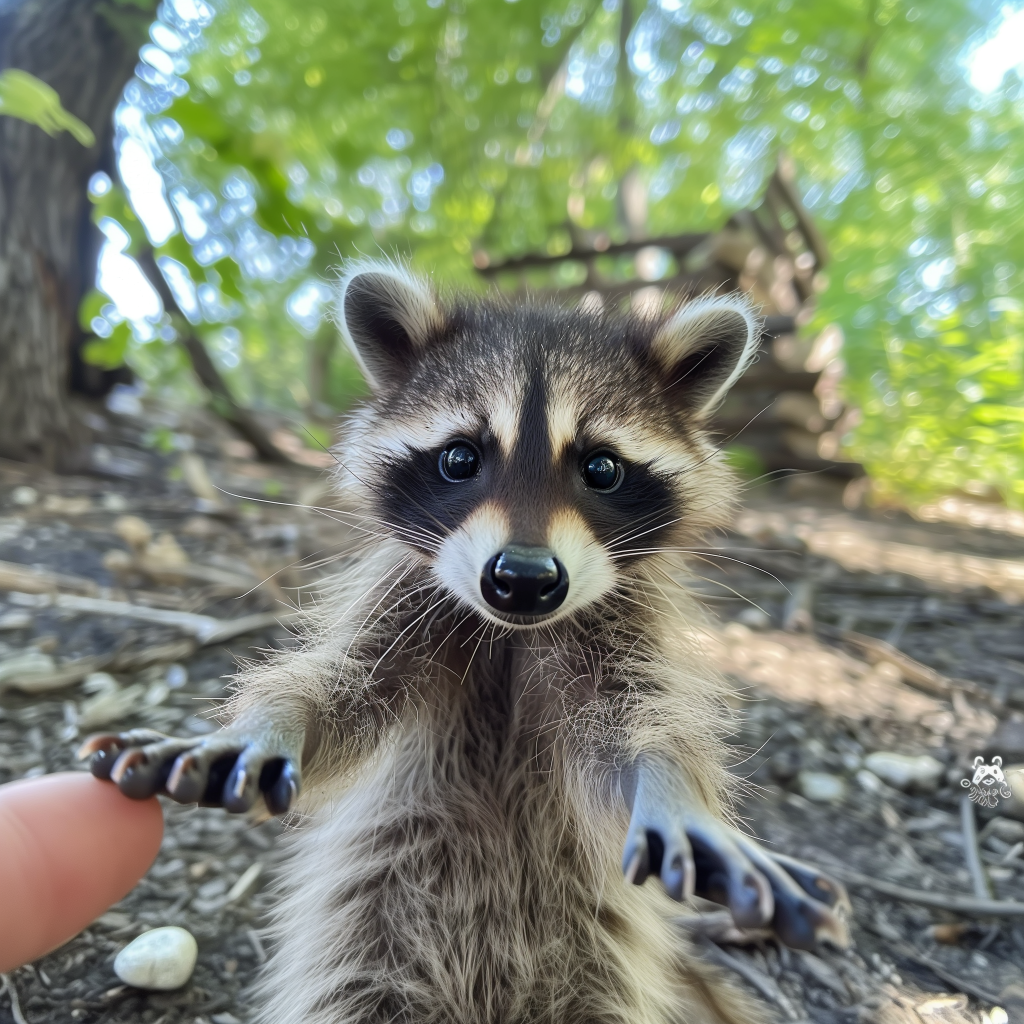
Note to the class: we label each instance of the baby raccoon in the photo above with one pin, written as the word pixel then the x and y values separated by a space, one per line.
pixel 498 710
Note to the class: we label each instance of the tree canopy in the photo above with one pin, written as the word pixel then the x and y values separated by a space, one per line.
pixel 263 143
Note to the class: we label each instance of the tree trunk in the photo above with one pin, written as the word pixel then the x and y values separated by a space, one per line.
pixel 45 259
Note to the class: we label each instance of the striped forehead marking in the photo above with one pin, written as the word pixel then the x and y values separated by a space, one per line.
pixel 661 451
pixel 563 416
pixel 504 412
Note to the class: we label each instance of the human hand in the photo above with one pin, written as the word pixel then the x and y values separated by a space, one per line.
pixel 70 847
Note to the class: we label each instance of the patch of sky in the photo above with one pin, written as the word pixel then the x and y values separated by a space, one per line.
pixel 987 61
pixel 668 176
pixel 145 190
pixel 936 274
pixel 745 165
pixel 590 73
pixel 386 178
pixel 422 184
pixel 225 346
pixel 711 32
pixel 738 83
pixel 399 138
pixel 121 278
pixel 179 280
pixel 665 131
pixel 306 304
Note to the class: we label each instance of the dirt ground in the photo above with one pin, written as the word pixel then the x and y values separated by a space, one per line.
pixel 848 633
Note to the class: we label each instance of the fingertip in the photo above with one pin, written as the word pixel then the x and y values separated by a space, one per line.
pixel 70 846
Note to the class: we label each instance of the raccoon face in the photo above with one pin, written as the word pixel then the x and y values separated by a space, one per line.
pixel 536 458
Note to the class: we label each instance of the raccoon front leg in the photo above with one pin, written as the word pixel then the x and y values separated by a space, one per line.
pixel 672 836
pixel 231 768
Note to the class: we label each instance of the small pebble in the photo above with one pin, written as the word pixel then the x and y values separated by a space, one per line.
pixel 821 787
pixel 755 618
pixel 158 960
pixel 24 495
pixel 15 620
pixel 177 676
pixel 905 771
pixel 868 781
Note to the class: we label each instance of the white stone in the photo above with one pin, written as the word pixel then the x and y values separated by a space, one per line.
pixel 869 781
pixel 821 787
pixel 24 495
pixel 905 771
pixel 159 960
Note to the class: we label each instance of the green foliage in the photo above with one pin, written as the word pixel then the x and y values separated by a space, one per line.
pixel 434 128
pixel 23 96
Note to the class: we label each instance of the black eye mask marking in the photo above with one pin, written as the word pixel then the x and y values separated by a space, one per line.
pixel 424 492
pixel 631 515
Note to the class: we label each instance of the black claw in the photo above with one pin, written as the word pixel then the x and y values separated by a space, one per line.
pixel 101 763
pixel 187 780
pixel 139 778
pixel 655 852
pixel 812 881
pixel 282 792
pixel 673 875
pixel 213 794
pixel 240 790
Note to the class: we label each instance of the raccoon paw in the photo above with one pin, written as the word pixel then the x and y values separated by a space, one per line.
pixel 228 769
pixel 809 905
pixel 694 853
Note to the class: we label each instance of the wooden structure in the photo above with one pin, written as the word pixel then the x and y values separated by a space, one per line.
pixel 786 407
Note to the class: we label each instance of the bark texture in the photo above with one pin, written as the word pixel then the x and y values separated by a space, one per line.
pixel 86 50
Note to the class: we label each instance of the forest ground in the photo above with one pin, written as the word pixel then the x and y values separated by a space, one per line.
pixel 806 595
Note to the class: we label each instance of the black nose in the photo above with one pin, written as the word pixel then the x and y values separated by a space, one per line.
pixel 524 580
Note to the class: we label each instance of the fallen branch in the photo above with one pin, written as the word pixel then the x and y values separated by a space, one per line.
pixel 205 628
pixel 954 903
pixel 223 402
pixel 921 676
pixel 972 854
pixel 26 580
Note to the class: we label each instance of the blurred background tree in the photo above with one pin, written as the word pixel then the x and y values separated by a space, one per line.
pixel 260 144
pixel 81 51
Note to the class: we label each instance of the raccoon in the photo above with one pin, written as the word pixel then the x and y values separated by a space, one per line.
pixel 498 716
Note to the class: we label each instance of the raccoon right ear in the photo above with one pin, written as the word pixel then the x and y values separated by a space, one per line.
pixel 704 348
pixel 387 316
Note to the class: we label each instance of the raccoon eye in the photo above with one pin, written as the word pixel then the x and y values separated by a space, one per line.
pixel 602 471
pixel 459 462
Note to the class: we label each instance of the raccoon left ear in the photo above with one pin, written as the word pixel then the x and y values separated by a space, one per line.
pixel 387 316
pixel 705 347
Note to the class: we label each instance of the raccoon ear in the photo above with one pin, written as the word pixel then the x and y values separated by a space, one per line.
pixel 705 347
pixel 387 317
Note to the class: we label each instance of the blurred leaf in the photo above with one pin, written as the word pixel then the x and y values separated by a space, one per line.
pixel 24 96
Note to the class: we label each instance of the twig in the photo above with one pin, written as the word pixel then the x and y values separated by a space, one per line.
pixel 908 952
pixel 764 984
pixel 12 994
pixel 66 675
pixel 159 569
pixel 223 402
pixel 952 902
pixel 914 672
pixel 205 628
pixel 257 945
pixel 798 615
pixel 26 580
pixel 969 828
